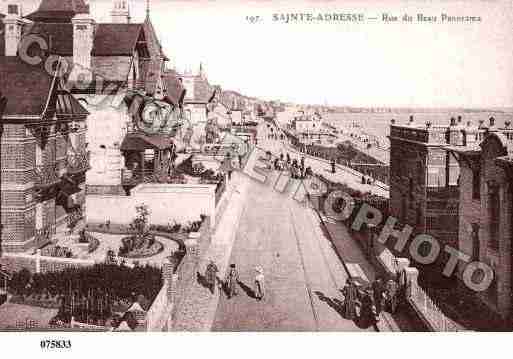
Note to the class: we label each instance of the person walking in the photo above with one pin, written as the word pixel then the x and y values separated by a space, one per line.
pixel 228 166
pixel 259 283
pixel 378 292
pixel 240 160
pixel 391 295
pixel 332 166
pixel 231 281
pixel 211 275
pixel 368 314
pixel 350 293
pixel 402 284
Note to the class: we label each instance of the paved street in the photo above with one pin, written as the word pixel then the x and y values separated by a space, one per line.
pixel 260 226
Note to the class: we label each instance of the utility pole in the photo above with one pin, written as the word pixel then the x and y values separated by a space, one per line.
pixel 3 103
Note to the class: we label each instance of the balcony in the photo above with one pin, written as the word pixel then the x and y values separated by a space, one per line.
pixel 46 176
pixel 44 235
pixel 443 193
pixel 78 162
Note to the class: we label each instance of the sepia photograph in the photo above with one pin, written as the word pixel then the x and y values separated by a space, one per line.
pixel 224 166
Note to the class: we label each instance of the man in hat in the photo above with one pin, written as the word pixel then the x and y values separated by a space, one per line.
pixel 231 281
pixel 259 283
pixel 378 294
pixel 350 293
pixel 368 314
pixel 211 276
pixel 391 294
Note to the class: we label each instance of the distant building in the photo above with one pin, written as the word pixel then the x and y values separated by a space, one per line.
pixel 44 154
pixel 310 128
pixel 198 95
pixel 486 207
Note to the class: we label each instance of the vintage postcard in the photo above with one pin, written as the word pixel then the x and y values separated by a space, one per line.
pixel 255 166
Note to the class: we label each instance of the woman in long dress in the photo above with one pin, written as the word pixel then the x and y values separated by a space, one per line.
pixel 391 291
pixel 211 276
pixel 350 293
pixel 232 280
pixel 259 284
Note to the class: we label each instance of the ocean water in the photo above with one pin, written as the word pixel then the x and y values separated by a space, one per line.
pixel 377 125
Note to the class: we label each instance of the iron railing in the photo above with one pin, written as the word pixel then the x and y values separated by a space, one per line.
pixel 431 311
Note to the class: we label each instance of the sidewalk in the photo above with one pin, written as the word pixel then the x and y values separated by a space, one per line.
pixel 303 275
pixel 356 262
pixel 198 309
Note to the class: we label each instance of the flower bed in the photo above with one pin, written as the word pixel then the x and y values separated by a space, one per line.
pixel 85 237
pixel 138 248
pixel 38 300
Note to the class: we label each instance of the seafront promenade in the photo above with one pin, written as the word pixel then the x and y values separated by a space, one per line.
pixel 287 239
pixel 379 153
pixel 343 174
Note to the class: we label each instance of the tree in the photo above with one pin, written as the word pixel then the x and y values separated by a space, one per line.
pixel 140 223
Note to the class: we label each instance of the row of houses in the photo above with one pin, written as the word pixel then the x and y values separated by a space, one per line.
pixel 455 183
pixel 76 91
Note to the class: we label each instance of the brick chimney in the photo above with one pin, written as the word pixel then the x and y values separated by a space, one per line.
pixel 120 13
pixel 13 29
pixel 83 38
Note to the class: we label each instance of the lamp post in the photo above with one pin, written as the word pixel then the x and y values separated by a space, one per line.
pixel 3 103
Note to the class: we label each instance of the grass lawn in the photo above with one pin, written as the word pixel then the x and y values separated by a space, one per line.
pixel 25 317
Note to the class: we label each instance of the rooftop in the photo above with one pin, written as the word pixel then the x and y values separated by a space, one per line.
pixel 31 91
pixel 58 10
pixel 174 89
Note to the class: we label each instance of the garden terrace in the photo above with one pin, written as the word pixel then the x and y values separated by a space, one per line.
pixel 91 295
pixel 131 178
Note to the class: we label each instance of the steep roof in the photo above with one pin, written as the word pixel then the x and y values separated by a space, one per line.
pixel 58 36
pixel 154 67
pixel 141 141
pixel 30 90
pixel 173 87
pixel 109 39
pixel 203 92
pixel 58 10
pixel 152 37
pixel 115 39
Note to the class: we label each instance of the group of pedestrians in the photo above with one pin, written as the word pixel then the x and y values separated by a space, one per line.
pixel 297 169
pixel 368 180
pixel 232 282
pixel 372 300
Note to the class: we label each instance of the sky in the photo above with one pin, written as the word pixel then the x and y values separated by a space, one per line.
pixel 368 64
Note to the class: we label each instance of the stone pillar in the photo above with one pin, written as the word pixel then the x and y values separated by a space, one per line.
pixel 168 277
pixel 402 263
pixel 38 261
